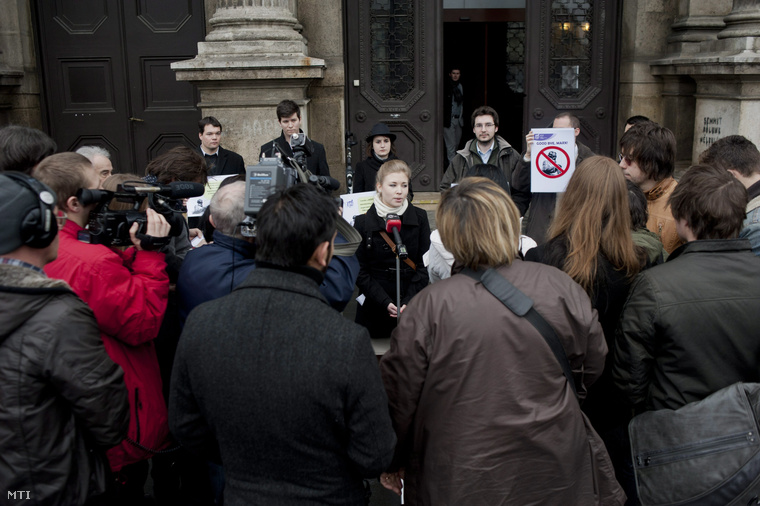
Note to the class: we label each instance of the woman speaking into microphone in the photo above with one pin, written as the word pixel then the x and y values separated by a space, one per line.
pixel 377 274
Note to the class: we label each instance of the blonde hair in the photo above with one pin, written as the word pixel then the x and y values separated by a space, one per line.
pixel 391 167
pixel 595 217
pixel 479 224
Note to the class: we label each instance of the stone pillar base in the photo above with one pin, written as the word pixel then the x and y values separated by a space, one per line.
pixel 253 57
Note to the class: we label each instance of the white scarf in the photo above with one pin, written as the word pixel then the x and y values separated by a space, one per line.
pixel 384 210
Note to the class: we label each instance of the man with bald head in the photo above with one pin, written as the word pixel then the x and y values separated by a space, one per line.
pixel 212 271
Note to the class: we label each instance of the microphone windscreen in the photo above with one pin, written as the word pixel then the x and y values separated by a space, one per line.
pixel 184 189
pixel 392 221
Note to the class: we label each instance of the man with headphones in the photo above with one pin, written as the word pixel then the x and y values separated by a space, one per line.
pixel 63 400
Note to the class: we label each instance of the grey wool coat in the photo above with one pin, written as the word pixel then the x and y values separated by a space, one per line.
pixel 481 408
pixel 288 389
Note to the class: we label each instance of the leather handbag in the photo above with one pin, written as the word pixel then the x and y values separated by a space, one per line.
pixel 705 453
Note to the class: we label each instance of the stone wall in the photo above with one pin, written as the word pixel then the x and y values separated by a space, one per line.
pixel 322 22
pixel 19 76
pixel 645 27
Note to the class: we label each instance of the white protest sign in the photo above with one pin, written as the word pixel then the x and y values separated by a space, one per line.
pixel 196 205
pixel 355 204
pixel 552 159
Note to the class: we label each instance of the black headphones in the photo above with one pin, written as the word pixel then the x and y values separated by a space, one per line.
pixel 39 226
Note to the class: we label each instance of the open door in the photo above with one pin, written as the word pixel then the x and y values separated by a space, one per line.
pixel 572 64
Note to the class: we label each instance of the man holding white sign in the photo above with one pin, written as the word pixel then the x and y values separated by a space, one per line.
pixel 546 169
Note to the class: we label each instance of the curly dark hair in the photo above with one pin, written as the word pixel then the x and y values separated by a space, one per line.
pixel 178 164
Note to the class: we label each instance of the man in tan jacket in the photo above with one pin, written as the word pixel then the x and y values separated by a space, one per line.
pixel 647 157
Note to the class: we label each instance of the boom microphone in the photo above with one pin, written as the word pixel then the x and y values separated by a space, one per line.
pixel 173 190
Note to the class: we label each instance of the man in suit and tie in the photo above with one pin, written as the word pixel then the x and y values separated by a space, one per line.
pixel 220 161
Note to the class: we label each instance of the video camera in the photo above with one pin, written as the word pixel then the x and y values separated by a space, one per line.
pixel 110 226
pixel 281 172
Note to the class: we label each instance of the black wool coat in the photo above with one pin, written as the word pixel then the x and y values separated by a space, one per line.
pixel 365 176
pixel 289 390
pixel 377 274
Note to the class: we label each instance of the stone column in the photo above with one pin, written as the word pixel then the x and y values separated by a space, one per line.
pixel 726 71
pixel 253 57
pixel 645 26
pixel 697 21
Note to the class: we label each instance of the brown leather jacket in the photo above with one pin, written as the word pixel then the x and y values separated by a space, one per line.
pixel 482 411
pixel 661 220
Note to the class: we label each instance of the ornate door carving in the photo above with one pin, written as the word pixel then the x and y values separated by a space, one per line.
pixel 572 65
pixel 106 76
pixel 392 76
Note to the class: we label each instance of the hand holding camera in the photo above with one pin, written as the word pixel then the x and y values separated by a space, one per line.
pixel 157 227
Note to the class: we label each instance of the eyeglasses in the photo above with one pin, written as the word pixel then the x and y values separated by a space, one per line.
pixel 481 125
pixel 628 159
pixel 60 218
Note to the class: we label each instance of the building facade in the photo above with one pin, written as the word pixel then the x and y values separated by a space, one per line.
pixel 691 65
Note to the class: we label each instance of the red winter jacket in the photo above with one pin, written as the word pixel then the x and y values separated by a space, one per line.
pixel 128 292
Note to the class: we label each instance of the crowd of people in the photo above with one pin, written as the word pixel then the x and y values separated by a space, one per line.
pixel 526 331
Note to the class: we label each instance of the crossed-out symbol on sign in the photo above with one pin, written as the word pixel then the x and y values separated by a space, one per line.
pixel 550 162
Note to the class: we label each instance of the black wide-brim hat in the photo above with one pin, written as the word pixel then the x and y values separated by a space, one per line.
pixel 381 129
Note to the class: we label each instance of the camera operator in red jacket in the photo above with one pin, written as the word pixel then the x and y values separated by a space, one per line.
pixel 127 291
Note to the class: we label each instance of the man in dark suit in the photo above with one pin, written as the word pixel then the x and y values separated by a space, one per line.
pixel 289 117
pixel 281 387
pixel 220 161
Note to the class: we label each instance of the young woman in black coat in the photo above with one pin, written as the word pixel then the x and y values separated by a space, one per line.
pixel 377 273
pixel 590 239
pixel 380 149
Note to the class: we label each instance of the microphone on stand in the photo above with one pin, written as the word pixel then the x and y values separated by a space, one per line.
pixel 393 225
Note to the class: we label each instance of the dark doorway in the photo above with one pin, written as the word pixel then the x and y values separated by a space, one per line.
pixel 107 80
pixel 488 47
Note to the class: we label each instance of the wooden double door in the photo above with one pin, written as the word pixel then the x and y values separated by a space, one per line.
pixel 395 71
pixel 107 79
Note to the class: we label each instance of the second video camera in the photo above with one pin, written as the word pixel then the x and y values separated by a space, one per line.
pixel 115 212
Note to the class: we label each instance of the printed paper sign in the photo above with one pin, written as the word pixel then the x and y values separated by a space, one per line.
pixel 196 205
pixel 552 159
pixel 355 204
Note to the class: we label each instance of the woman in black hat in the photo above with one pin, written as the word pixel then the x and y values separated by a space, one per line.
pixel 380 149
